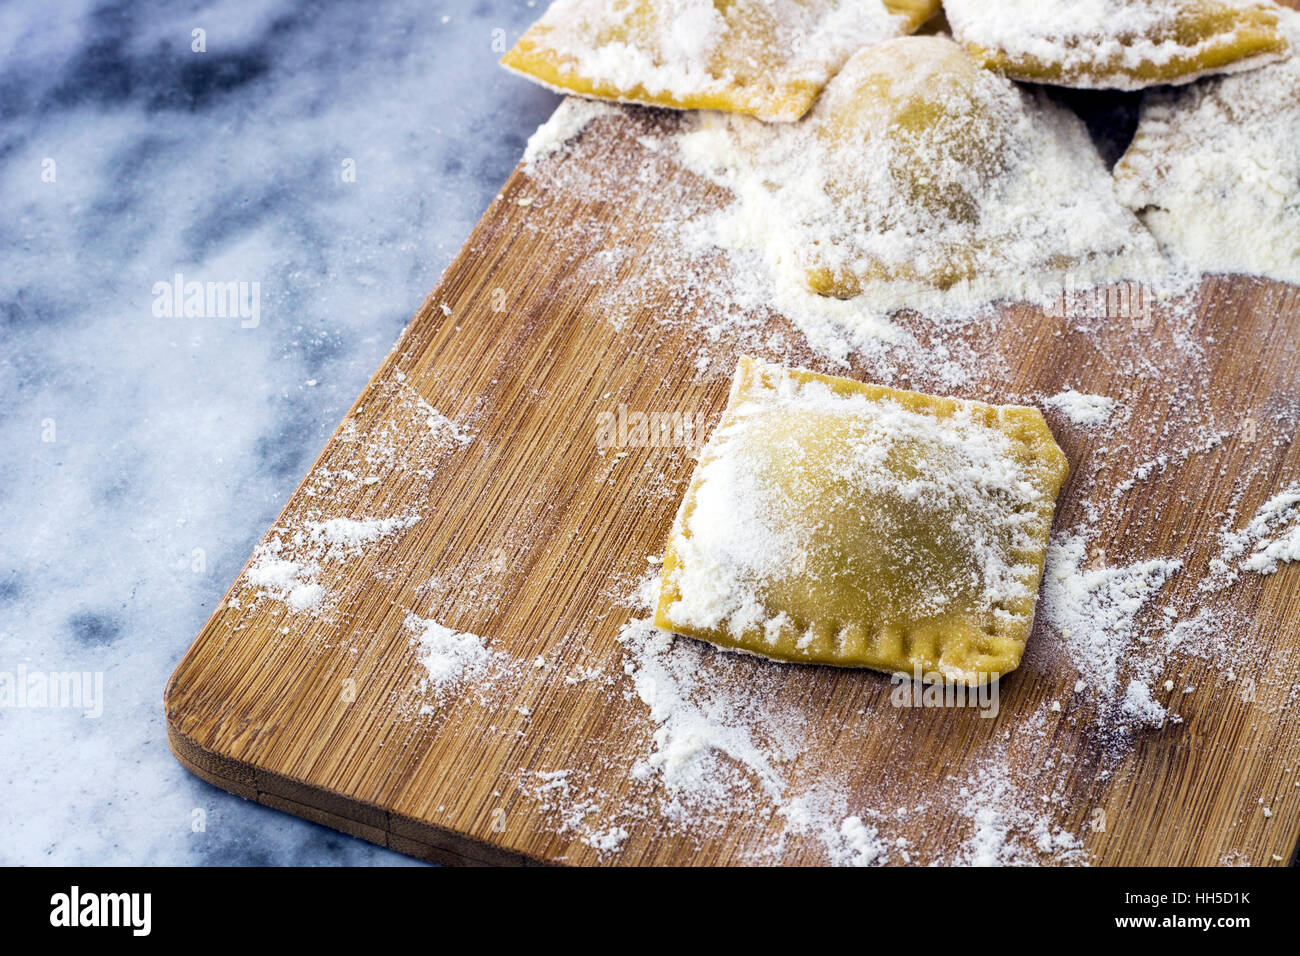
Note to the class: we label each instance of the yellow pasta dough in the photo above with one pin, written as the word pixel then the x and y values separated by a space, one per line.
pixel 1117 44
pixel 765 58
pixel 835 522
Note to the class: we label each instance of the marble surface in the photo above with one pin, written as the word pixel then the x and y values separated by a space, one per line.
pixel 144 453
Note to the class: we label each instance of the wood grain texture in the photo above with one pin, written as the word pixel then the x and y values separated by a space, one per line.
pixel 536 536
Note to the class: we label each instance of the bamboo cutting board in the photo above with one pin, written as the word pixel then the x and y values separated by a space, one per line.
pixel 521 529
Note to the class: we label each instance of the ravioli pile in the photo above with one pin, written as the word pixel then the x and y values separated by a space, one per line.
pixel 914 169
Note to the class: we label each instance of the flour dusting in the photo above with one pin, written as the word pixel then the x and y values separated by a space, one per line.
pixel 568 121
pixel 1088 411
pixel 1094 610
pixel 1270 539
pixel 448 657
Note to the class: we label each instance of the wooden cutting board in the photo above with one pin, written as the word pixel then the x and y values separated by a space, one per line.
pixel 532 536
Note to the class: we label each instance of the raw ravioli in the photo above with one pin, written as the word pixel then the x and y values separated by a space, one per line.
pixel 1214 170
pixel 1117 44
pixel 835 522
pixel 766 58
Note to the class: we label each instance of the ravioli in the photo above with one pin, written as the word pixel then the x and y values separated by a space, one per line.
pixel 1117 44
pixel 835 522
pixel 931 173
pixel 764 58
pixel 1214 170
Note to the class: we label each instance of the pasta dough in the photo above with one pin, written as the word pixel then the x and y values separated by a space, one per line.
pixel 1214 170
pixel 835 522
pixel 918 173
pixel 1117 44
pixel 766 58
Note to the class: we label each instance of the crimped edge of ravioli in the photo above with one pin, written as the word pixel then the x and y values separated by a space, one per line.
pixel 845 643
pixel 1249 46
pixel 782 102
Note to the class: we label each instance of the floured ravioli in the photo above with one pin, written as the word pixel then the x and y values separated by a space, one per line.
pixel 1117 44
pixel 1214 170
pixel 918 172
pixel 766 58
pixel 834 522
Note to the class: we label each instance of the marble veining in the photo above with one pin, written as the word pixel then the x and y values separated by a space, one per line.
pixel 329 156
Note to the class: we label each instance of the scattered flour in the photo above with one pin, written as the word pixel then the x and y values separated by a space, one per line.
pixel 1089 411
pixel 846 840
pixel 1140 707
pixel 300 564
pixel 1094 611
pixel 448 657
pixel 1006 830
pixel 566 123
pixel 555 793
pixel 287 568
pixel 1271 538
pixel 334 538
pixel 708 742
pixel 606 841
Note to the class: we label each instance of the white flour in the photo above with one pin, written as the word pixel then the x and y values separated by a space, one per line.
pixel 1088 411
pixel 1271 538
pixel 448 656
pixel 1005 829
pixel 708 741
pixel 287 568
pixel 1140 707
pixel 568 121
pixel 1094 611
pixel 298 565
pixel 846 840
pixel 333 538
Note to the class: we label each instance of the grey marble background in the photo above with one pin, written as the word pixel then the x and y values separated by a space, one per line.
pixel 143 455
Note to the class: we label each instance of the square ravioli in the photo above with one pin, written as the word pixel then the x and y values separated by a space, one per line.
pixel 835 522
pixel 766 58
